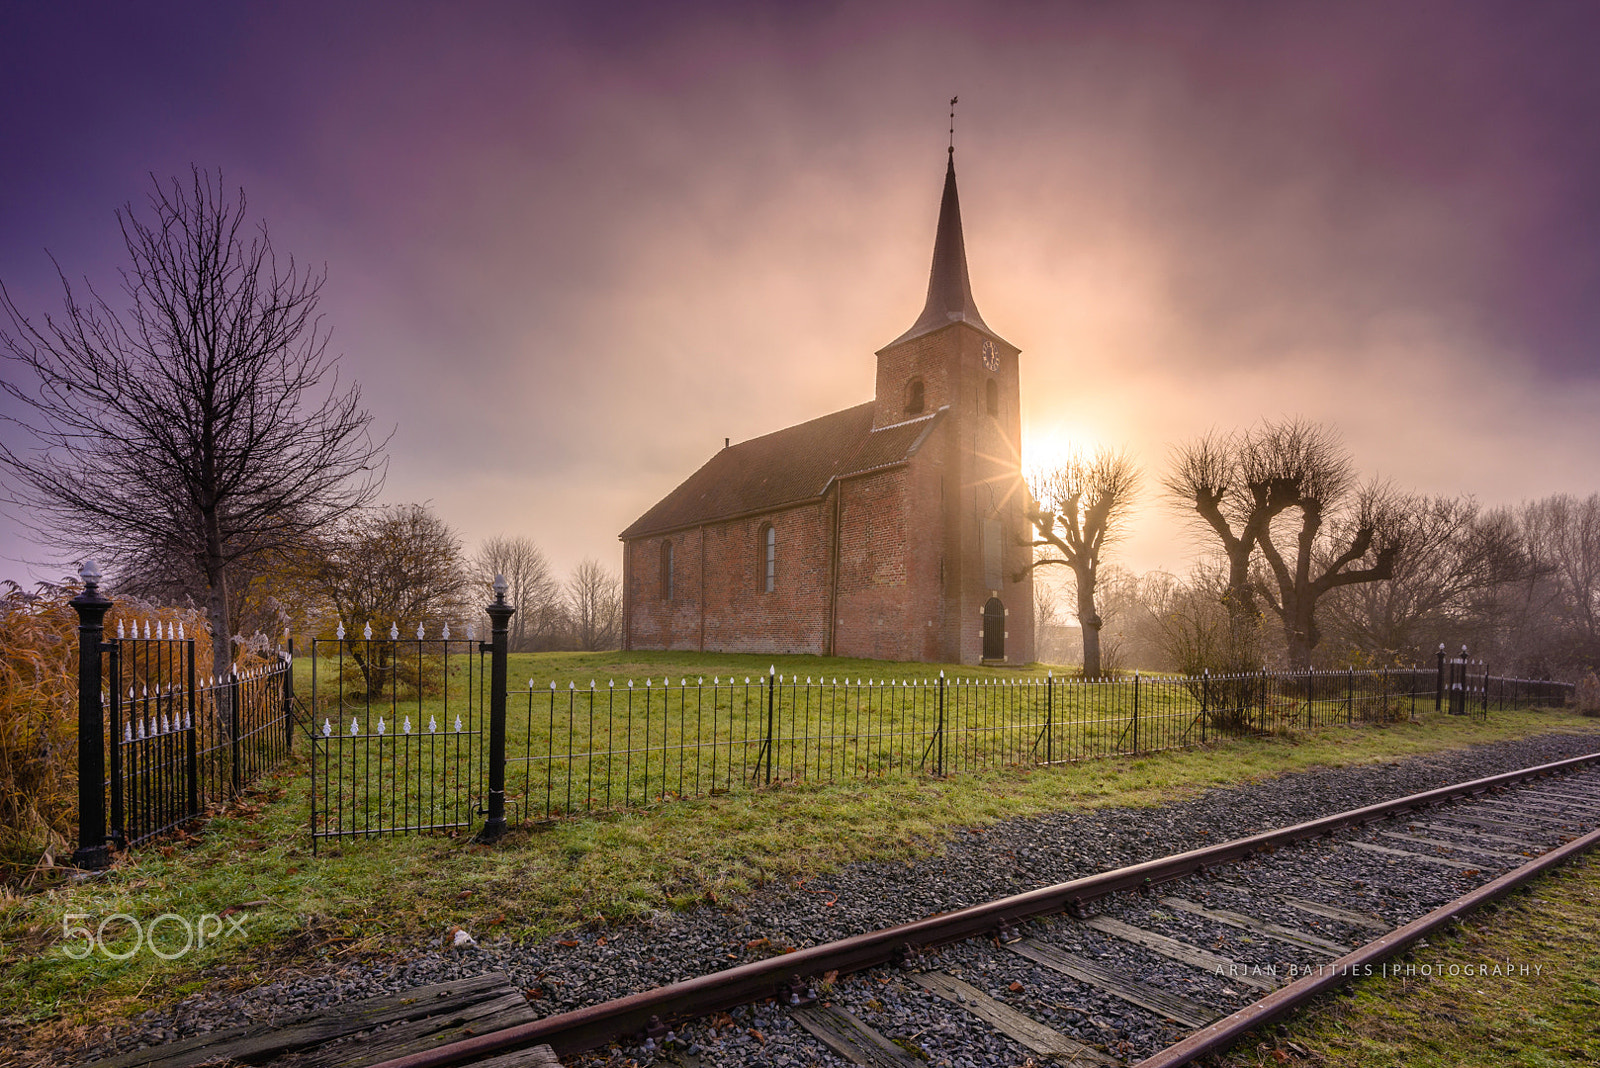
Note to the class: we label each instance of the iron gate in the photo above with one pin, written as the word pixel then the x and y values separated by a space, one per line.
pixel 397 734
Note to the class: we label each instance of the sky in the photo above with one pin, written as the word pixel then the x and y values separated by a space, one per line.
pixel 570 248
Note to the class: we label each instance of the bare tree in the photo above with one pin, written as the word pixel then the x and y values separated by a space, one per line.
pixel 1361 547
pixel 594 604
pixel 201 429
pixel 1449 586
pixel 531 589
pixel 1132 636
pixel 1563 534
pixel 1191 629
pixel 1083 505
pixel 1230 481
pixel 1053 639
pixel 398 566
pixel 1288 483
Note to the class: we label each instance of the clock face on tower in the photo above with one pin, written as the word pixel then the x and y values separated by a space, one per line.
pixel 991 355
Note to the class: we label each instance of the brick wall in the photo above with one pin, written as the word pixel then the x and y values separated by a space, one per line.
pixel 926 358
pixel 718 600
pixel 793 618
pixel 880 581
pixel 889 601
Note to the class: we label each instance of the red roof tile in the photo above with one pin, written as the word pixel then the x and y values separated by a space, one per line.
pixel 785 468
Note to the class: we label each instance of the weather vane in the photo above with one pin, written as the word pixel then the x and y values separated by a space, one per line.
pixel 953 101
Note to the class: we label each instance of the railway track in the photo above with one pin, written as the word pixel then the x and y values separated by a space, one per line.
pixel 1151 964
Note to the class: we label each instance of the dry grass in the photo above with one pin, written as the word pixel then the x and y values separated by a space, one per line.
pixel 38 726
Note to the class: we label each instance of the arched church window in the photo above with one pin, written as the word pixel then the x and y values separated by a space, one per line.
pixel 666 570
pixel 767 559
pixel 916 398
pixel 991 396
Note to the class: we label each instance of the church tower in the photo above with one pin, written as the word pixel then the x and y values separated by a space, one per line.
pixel 952 363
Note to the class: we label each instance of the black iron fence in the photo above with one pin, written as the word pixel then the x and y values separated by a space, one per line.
pixel 176 742
pixel 580 749
pixel 1465 687
pixel 397 745
pixel 157 743
pixel 423 733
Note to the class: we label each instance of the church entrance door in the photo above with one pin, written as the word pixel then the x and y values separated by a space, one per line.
pixel 994 630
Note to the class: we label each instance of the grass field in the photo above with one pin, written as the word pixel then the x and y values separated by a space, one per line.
pixel 288 908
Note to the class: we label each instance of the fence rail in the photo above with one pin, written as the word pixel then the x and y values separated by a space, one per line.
pixel 550 751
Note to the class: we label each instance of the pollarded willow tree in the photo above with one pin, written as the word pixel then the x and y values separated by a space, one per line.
pixel 1082 505
pixel 1288 490
pixel 200 429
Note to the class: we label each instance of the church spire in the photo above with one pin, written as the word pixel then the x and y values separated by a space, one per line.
pixel 949 288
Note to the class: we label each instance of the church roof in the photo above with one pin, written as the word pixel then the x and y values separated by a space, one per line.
pixel 785 468
pixel 949 288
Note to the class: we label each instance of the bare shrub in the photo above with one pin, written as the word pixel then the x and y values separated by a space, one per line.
pixel 1587 695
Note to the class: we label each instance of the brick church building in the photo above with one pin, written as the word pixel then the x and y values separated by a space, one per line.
pixel 896 529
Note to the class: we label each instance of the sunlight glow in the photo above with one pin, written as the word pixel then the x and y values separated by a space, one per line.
pixel 1047 445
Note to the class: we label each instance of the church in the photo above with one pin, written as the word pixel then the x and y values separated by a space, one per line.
pixel 894 530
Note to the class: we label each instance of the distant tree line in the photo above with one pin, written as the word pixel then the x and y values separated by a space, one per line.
pixel 1304 565
pixel 403 565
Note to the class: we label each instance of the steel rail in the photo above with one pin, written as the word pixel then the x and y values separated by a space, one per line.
pixel 595 1025
pixel 1357 964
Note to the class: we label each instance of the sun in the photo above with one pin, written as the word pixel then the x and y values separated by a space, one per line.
pixel 1051 444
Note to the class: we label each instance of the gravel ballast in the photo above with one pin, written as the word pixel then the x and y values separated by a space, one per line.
pixel 976 865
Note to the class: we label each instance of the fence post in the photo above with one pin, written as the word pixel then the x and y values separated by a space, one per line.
pixel 91 606
pixel 500 613
pixel 1311 684
pixel 1135 713
pixel 1262 696
pixel 288 699
pixel 233 725
pixel 1438 688
pixel 772 709
pixel 1049 716
pixel 1350 696
pixel 191 742
pixel 115 781
pixel 1205 693
pixel 938 731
